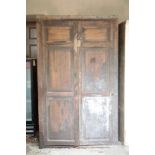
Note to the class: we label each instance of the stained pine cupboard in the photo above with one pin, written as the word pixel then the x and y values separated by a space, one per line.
pixel 77 82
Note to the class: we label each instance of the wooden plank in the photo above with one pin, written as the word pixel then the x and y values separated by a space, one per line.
pixel 121 79
pixel 60 94
pixel 68 17
pixel 41 88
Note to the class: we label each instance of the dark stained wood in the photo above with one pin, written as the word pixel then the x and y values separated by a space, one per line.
pixel 78 87
pixel 67 17
pixel 60 69
pixel 41 85
pixel 60 123
pixel 121 80
pixel 98 107
pixel 60 109
pixel 31 40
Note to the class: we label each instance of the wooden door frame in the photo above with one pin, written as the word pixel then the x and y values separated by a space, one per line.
pixel 39 19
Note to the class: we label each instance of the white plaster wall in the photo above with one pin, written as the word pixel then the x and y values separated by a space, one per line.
pixel 116 8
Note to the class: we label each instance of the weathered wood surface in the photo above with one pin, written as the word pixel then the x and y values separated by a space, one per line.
pixel 78 82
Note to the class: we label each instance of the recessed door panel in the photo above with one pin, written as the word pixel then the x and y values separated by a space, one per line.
pixel 95 70
pixel 95 34
pixel 59 34
pixel 96 118
pixel 60 119
pixel 60 62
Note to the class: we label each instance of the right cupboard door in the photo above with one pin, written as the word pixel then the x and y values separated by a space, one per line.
pixel 98 82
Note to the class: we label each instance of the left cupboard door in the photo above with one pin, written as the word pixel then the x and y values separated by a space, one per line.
pixel 58 107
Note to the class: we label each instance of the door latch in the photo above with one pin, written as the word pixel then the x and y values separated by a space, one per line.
pixel 77 42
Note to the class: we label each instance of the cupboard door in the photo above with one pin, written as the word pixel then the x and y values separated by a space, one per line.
pixel 77 77
pixel 98 107
pixel 59 117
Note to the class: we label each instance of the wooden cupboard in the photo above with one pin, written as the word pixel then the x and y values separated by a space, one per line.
pixel 78 82
pixel 31 40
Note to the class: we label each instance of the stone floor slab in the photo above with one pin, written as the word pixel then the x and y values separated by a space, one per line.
pixel 33 149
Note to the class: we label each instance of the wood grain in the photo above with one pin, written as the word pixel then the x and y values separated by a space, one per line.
pixel 78 70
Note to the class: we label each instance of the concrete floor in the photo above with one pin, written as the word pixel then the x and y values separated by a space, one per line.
pixel 33 149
